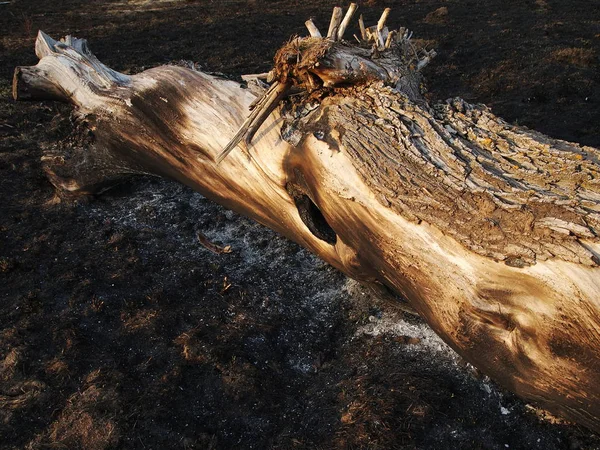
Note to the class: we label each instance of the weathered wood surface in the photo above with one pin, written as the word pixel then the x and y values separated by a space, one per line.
pixel 488 230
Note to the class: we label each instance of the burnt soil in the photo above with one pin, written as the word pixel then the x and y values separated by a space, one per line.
pixel 119 330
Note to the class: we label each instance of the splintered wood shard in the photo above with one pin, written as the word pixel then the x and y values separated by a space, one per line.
pixel 487 229
pixel 361 25
pixel 260 111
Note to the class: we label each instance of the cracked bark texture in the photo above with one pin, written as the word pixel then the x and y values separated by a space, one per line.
pixel 502 191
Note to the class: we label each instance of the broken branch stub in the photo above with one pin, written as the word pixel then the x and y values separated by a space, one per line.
pixel 334 24
pixel 347 18
pixel 489 230
pixel 314 63
pixel 312 28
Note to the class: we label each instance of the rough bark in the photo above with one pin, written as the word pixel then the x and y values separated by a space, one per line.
pixel 490 231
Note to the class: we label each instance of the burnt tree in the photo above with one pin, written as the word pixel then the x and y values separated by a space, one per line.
pixel 488 230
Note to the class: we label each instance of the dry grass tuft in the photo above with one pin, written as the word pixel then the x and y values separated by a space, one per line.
pixel 192 348
pixel 57 367
pixel 436 17
pixel 86 421
pixel 6 265
pixel 582 57
pixel 9 364
pixel 83 430
pixel 139 320
pixel 21 394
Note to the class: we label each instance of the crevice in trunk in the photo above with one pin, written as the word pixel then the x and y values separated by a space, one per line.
pixel 311 215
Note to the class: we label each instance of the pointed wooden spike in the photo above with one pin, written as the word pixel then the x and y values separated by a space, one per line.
pixel 255 107
pixel 272 102
pixel 234 141
pixel 400 35
pixel 390 38
pixel 380 41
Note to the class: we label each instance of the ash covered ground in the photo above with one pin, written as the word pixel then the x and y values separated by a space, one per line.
pixel 118 329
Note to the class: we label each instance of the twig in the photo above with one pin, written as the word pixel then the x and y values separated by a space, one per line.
pixel 255 76
pixel 217 249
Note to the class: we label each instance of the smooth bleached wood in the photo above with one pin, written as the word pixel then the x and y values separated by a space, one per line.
pixel 312 28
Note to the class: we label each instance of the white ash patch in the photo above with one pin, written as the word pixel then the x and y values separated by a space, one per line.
pixel 292 282
pixel 420 337
pixel 424 338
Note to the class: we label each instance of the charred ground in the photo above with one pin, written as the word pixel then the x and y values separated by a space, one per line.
pixel 119 330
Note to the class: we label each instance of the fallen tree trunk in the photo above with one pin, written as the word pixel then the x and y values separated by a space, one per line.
pixel 490 231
